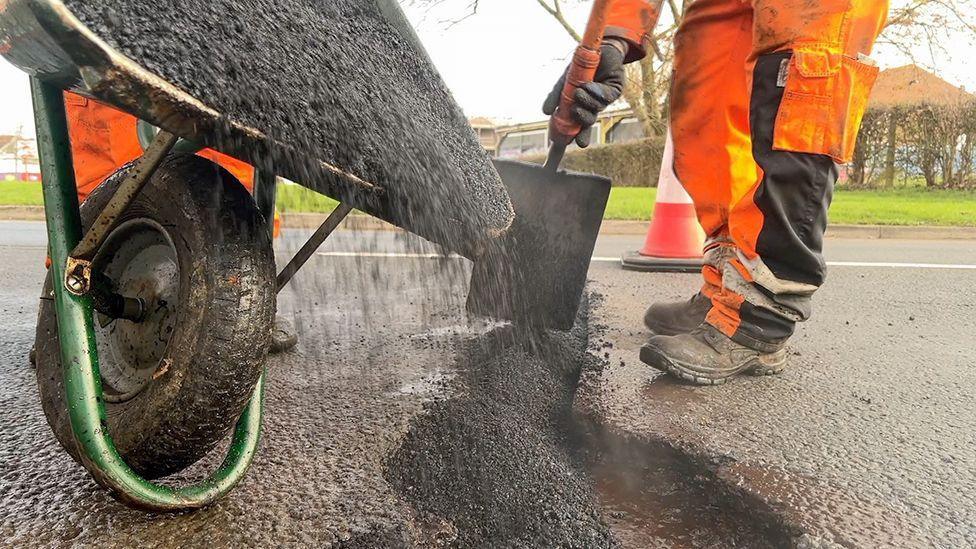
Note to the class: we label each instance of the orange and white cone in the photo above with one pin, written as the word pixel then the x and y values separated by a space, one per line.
pixel 674 239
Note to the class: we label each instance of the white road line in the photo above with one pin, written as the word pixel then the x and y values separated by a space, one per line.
pixel 889 265
pixel 389 255
pixel 901 265
pixel 605 259
pixel 595 259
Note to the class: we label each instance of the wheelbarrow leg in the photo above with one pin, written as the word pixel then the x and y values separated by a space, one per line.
pixel 82 381
pixel 265 193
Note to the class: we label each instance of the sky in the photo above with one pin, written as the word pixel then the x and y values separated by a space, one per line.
pixel 501 62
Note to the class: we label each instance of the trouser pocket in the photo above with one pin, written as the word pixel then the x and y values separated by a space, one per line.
pixel 824 101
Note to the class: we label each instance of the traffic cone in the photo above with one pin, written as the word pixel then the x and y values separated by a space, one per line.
pixel 675 239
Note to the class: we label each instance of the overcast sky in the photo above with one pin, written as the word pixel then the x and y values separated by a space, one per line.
pixel 501 62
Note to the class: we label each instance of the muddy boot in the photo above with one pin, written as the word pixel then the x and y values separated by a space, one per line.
pixel 678 317
pixel 283 337
pixel 707 357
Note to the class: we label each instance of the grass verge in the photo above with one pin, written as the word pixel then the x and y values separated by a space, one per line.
pixel 20 193
pixel 894 207
pixel 909 206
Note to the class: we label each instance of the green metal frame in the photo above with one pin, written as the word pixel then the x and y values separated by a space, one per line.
pixel 82 381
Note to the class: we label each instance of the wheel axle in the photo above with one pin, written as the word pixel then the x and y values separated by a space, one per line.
pixel 113 305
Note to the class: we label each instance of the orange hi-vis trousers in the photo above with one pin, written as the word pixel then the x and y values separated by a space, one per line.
pixel 103 139
pixel 767 98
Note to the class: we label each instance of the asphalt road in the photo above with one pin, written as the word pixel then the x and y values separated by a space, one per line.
pixel 374 349
pixel 396 422
pixel 866 440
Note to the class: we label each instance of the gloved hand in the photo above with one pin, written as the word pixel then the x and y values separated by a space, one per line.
pixel 594 97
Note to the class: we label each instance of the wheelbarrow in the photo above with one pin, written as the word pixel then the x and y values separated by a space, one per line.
pixel 156 316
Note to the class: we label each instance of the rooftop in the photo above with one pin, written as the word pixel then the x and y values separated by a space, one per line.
pixel 912 85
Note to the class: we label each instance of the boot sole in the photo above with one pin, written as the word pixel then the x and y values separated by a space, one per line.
pixel 758 367
pixel 282 341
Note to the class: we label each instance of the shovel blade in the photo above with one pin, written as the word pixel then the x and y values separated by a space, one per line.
pixel 535 273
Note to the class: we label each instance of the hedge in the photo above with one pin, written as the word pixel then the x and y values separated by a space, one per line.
pixel 934 142
pixel 634 164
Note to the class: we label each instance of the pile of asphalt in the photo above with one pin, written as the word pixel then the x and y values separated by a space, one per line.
pixel 492 466
pixel 346 83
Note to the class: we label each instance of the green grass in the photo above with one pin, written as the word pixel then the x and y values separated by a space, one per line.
pixel 20 193
pixel 630 203
pixel 295 198
pixel 291 198
pixel 903 206
pixel 895 207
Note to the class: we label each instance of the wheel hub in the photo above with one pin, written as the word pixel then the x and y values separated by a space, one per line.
pixel 140 258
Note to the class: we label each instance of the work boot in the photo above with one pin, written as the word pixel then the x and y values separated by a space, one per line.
pixel 283 336
pixel 677 317
pixel 706 356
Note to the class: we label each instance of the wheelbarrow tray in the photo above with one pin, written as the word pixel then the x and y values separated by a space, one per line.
pixel 428 176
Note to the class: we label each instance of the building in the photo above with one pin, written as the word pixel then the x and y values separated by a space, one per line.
pixel 901 86
pixel 515 140
pixel 485 129
pixel 912 86
pixel 18 159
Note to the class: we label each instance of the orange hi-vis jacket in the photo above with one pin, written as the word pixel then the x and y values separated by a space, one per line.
pixel 634 21
pixel 767 98
pixel 103 139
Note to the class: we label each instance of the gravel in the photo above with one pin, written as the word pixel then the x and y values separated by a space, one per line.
pixel 496 462
pixel 334 79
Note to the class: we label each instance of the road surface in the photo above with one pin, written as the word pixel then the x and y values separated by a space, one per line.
pixel 867 439
pixel 375 438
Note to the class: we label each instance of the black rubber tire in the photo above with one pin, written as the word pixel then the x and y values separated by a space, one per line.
pixel 223 322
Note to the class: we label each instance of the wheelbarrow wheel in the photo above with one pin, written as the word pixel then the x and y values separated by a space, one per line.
pixel 194 247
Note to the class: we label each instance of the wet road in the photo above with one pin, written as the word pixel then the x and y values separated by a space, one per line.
pixel 347 459
pixel 867 438
pixel 377 342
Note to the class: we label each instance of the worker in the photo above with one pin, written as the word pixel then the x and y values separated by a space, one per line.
pixel 767 99
pixel 103 139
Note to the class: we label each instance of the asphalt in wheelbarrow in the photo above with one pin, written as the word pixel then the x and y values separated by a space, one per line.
pixel 332 78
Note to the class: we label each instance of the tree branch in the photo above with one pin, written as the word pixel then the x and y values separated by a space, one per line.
pixel 556 11
pixel 676 12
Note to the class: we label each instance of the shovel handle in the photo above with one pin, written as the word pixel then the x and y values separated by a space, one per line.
pixel 562 127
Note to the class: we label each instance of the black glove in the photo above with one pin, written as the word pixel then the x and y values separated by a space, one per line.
pixel 594 97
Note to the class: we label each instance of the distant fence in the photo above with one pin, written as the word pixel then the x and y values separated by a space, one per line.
pixel 19 176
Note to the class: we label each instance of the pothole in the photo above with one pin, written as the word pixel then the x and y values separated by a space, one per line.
pixel 503 462
pixel 489 467
pixel 652 495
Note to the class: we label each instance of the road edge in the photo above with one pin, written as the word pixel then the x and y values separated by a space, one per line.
pixel 362 222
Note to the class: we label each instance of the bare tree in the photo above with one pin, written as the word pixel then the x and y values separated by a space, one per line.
pixel 647 81
pixel 915 25
pixel 912 25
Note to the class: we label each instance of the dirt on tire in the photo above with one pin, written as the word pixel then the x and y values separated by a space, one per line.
pixel 222 332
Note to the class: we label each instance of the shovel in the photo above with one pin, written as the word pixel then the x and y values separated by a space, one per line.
pixel 534 274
